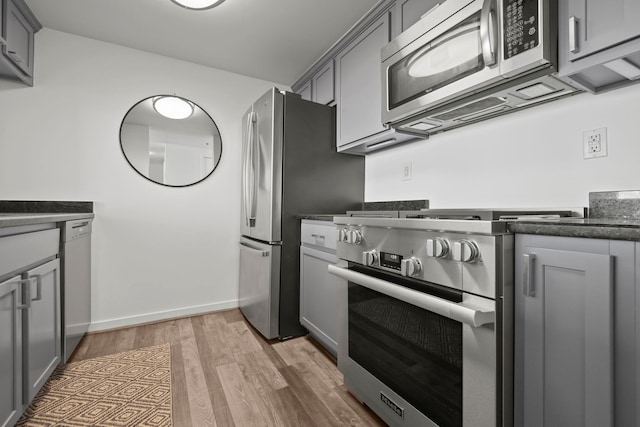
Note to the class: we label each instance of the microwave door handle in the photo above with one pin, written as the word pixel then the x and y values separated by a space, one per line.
pixel 488 32
pixel 449 309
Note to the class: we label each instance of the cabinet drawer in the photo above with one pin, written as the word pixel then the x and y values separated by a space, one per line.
pixel 22 250
pixel 318 233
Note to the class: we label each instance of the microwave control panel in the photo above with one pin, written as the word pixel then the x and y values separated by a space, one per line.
pixel 520 26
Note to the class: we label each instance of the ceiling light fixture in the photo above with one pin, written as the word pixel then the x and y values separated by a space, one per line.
pixel 173 107
pixel 197 4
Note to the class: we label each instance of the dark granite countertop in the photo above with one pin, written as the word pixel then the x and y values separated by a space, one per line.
pixel 320 217
pixel 595 228
pixel 612 215
pixel 18 219
pixel 15 213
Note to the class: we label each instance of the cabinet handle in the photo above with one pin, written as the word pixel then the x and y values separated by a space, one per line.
pixel 16 58
pixel 528 285
pixel 38 279
pixel 318 236
pixel 573 35
pixel 27 291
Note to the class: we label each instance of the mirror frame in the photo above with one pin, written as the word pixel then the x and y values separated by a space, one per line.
pixel 196 106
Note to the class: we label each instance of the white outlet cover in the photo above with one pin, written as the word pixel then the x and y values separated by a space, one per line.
pixel 587 142
pixel 406 171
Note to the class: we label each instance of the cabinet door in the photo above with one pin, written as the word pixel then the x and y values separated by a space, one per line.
pixel 319 296
pixel 3 41
pixel 10 353
pixel 42 349
pixel 19 37
pixel 359 84
pixel 597 24
pixel 412 10
pixel 305 91
pixel 564 338
pixel 323 85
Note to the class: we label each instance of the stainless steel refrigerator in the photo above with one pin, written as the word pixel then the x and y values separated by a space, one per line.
pixel 290 167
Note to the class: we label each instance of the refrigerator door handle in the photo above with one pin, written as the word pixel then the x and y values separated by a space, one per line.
pixel 245 169
pixel 255 167
pixel 258 251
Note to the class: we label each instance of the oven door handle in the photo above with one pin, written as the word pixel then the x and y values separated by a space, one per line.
pixel 460 312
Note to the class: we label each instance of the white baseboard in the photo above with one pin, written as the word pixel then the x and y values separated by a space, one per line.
pixel 160 315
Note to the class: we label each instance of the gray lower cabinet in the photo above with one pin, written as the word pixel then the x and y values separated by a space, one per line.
pixel 592 34
pixel 18 26
pixel 10 352
pixel 42 328
pixel 576 331
pixel 318 288
pixel 30 321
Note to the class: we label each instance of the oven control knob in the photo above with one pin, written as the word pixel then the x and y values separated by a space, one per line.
pixel 465 251
pixel 410 267
pixel 342 234
pixel 370 258
pixel 354 236
pixel 438 247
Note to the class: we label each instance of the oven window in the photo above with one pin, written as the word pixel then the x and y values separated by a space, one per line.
pixel 450 57
pixel 416 353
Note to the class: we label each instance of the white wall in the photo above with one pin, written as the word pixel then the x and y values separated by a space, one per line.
pixel 157 251
pixel 532 158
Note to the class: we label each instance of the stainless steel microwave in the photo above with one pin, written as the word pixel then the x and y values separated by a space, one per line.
pixel 467 60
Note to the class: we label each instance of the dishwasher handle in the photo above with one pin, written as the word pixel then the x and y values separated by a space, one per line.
pixel 76 229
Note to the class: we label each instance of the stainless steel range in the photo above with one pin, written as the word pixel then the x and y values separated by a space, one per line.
pixel 427 313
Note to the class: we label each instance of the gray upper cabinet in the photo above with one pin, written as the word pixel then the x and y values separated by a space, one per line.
pixel 576 332
pixel 323 85
pixel 410 11
pixel 349 77
pixel 305 91
pixel 593 34
pixel 19 26
pixel 359 84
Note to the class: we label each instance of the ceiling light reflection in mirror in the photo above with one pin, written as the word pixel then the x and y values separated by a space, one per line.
pixel 168 151
pixel 197 4
pixel 173 107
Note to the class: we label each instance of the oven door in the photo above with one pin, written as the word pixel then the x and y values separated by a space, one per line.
pixel 456 52
pixel 416 358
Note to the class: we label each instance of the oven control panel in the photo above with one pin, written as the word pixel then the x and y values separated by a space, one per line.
pixel 459 260
pixel 463 250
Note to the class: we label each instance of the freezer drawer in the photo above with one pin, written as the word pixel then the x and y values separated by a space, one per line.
pixel 260 285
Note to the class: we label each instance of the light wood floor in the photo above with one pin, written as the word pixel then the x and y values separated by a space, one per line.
pixel 225 374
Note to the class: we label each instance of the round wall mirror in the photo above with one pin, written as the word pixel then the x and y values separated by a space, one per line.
pixel 170 140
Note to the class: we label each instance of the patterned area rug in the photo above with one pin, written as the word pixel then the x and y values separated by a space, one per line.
pixel 124 389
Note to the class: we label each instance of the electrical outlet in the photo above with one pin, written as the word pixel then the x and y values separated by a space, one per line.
pixel 594 143
pixel 406 171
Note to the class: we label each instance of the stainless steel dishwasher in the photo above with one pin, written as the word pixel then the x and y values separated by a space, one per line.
pixel 76 283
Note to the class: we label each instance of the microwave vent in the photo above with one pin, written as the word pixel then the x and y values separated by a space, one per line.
pixel 485 114
pixel 471 108
pixel 423 126
pixel 535 91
